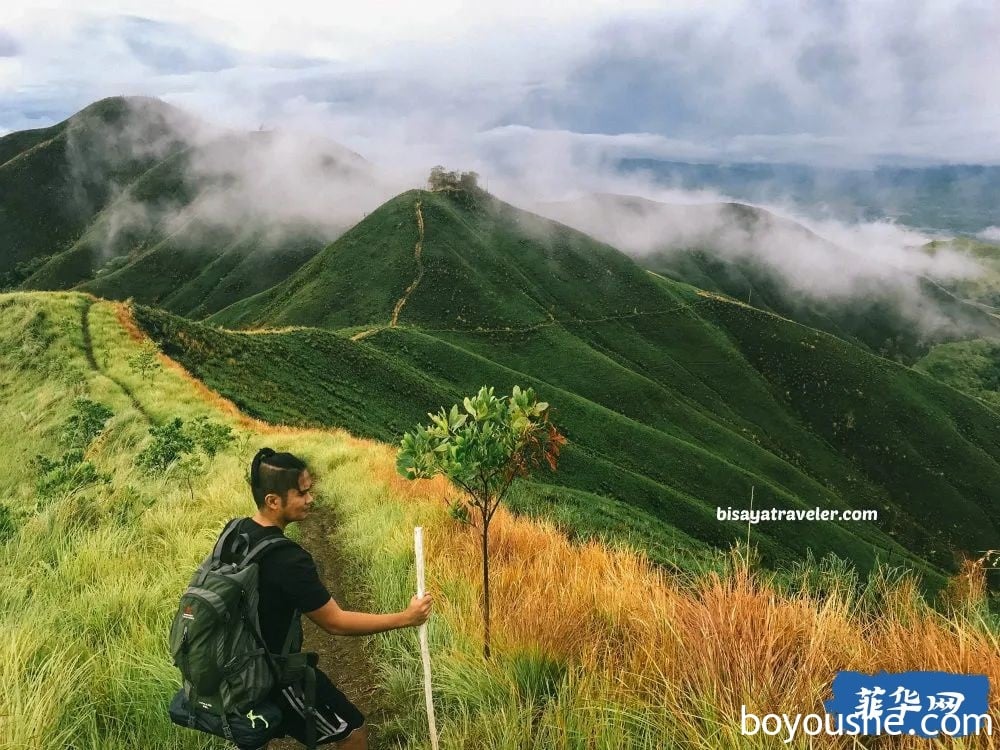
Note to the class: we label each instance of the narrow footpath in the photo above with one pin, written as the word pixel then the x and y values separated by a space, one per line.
pixel 342 658
pixel 418 248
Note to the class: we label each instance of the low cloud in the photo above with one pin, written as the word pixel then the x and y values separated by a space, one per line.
pixel 990 234
pixel 212 185
pixel 824 261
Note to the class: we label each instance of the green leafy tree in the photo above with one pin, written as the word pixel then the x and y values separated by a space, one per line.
pixel 482 449
pixel 144 361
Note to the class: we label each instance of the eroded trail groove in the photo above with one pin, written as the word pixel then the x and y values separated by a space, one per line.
pixel 88 350
pixel 342 658
pixel 420 268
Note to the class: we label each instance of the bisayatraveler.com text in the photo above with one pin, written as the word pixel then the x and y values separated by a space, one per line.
pixel 765 515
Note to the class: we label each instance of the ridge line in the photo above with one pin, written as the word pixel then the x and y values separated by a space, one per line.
pixel 417 249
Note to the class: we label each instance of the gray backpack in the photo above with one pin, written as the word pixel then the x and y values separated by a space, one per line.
pixel 216 643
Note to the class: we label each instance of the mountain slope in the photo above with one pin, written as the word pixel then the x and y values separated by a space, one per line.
pixel 482 264
pixel 178 214
pixel 669 395
pixel 778 265
pixel 55 180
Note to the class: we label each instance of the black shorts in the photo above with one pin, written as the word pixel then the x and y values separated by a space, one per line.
pixel 336 716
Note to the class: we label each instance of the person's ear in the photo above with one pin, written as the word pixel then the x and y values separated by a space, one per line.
pixel 272 501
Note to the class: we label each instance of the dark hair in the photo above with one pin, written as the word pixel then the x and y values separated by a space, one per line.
pixel 276 473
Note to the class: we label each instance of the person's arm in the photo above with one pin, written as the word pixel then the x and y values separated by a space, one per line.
pixel 337 621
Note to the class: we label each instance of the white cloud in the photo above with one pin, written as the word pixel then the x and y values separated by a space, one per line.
pixel 832 83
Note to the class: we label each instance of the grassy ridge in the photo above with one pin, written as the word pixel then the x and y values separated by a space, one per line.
pixel 593 645
pixel 676 401
pixel 113 201
pixel 619 468
pixel 95 570
pixel 56 181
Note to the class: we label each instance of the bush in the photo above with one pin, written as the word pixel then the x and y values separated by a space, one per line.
pixel 211 437
pixel 170 443
pixel 65 475
pixel 175 442
pixel 85 424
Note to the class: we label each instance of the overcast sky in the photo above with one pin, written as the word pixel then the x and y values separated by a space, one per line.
pixel 815 81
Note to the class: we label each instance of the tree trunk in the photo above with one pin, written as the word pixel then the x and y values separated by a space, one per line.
pixel 486 587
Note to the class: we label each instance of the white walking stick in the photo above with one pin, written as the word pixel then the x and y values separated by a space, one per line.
pixel 425 652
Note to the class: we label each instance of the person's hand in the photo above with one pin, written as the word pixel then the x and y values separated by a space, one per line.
pixel 419 610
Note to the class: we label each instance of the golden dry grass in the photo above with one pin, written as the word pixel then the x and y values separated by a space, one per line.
pixel 639 635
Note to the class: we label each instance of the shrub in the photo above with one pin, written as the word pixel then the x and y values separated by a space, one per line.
pixel 170 443
pixel 211 437
pixel 85 423
pixel 65 475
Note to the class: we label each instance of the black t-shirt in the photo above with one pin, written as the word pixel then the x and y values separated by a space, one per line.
pixel 288 580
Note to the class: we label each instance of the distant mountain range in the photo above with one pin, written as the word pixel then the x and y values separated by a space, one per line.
pixel 951 198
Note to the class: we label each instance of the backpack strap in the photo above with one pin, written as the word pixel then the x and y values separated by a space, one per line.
pixel 293 629
pixel 223 538
pixel 309 700
pixel 262 545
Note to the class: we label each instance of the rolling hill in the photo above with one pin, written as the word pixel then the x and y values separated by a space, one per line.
pixel 675 400
pixel 780 266
pixel 54 181
pixel 133 198
pixel 591 643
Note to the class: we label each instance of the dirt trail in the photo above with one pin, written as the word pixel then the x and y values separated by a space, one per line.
pixel 342 658
pixel 88 350
pixel 361 335
pixel 418 248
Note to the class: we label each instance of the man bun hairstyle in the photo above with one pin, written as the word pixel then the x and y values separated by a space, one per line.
pixel 274 473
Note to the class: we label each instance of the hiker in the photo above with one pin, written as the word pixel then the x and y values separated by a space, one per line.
pixel 289 584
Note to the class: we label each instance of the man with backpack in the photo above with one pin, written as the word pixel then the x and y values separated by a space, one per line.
pixel 314 711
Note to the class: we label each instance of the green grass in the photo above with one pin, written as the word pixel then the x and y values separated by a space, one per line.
pixel 93 578
pixel 674 402
pixel 969 366
pixel 94 573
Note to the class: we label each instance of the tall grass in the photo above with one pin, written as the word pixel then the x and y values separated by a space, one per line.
pixel 598 648
pixel 594 646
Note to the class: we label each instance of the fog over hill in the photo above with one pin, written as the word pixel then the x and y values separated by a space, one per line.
pixel 141 184
pixel 868 282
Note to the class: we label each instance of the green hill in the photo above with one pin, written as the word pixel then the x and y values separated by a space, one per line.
pixel 132 198
pixel 750 254
pixel 982 289
pixel 675 401
pixel 54 181
pixel 970 366
pixel 482 264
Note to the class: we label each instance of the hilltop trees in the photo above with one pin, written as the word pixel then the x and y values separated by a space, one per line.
pixel 482 451
pixel 441 179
